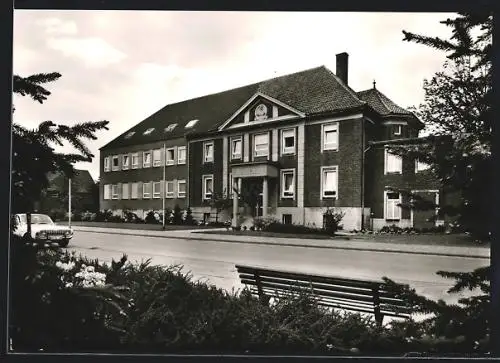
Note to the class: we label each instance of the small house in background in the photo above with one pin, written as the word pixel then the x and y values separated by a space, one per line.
pixel 84 195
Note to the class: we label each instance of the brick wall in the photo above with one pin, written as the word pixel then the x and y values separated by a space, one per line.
pixel 148 174
pixel 348 158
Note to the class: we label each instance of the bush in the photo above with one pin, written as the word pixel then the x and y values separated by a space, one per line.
pixel 262 223
pixel 116 219
pixel 88 216
pixel 189 220
pixel 103 216
pixel 177 215
pixel 152 217
pixel 130 217
pixel 331 221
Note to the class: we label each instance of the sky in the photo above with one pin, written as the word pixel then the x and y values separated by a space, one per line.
pixel 122 66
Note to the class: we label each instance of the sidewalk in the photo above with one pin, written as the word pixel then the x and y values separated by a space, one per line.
pixel 352 244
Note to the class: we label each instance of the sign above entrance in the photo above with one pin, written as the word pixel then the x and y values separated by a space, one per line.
pixel 247 171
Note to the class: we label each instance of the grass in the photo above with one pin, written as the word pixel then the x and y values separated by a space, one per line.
pixel 274 234
pixel 137 226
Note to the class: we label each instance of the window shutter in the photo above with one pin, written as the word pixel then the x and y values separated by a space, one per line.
pixel 140 157
pixel 119 190
pixel 139 190
pixel 175 188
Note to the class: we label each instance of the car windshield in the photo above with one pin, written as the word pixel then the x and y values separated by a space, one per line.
pixel 41 219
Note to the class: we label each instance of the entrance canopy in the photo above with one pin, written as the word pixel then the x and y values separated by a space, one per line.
pixel 257 169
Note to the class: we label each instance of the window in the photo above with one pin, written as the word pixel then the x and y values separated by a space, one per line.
pixel 146 190
pixel 208 186
pixel 392 210
pixel 107 192
pixel 170 159
pixel 421 166
pixel 208 152
pixel 125 162
pixel 288 141
pixel 393 163
pixel 114 191
pixel 261 145
pixel 106 163
pixel 181 155
pixel 125 192
pixel 157 157
pixel 191 124
pixel 169 189
pixel 135 161
pixel 329 182
pixel 286 219
pixel 146 159
pixel 170 127
pixel 331 136
pixel 181 188
pixel 397 130
pixel 287 183
pixel 129 134
pixel 116 163
pixel 148 131
pixel 134 193
pixel 236 147
pixel 156 190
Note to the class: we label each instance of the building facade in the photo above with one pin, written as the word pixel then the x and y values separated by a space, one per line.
pixel 287 147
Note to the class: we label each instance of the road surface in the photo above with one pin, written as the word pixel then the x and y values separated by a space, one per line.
pixel 214 261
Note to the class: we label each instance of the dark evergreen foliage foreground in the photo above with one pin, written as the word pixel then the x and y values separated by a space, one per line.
pixel 64 303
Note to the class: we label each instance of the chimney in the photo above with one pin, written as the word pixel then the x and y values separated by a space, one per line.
pixel 342 66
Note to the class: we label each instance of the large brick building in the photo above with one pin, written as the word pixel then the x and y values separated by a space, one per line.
pixel 293 145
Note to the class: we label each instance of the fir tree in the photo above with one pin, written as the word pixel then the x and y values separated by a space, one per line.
pixel 33 153
pixel 457 112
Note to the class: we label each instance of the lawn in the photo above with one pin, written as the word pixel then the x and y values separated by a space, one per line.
pixel 138 226
pixel 458 240
pixel 274 234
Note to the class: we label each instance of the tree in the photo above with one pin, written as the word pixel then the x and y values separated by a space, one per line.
pixel 33 155
pixel 457 112
pixel 219 202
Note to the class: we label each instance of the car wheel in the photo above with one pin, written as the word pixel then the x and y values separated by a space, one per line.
pixel 64 243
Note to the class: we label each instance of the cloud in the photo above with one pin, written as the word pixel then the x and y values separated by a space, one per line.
pixel 95 52
pixel 58 26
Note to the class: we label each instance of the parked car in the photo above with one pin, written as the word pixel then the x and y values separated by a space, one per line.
pixel 43 230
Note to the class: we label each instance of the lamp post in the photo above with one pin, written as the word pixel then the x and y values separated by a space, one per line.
pixel 69 202
pixel 164 186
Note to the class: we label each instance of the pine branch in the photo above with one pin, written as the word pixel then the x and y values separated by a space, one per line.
pixel 30 86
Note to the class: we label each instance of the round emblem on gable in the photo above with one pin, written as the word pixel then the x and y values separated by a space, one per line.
pixel 261 112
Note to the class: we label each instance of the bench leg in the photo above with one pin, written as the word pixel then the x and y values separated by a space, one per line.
pixel 379 317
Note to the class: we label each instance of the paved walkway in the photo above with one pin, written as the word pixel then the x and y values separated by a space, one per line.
pixel 352 244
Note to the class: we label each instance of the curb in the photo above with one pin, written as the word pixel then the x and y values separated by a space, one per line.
pixel 301 245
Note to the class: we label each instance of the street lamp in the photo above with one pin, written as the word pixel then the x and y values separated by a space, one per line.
pixel 69 202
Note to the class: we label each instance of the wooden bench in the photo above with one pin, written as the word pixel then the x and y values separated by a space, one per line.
pixel 372 297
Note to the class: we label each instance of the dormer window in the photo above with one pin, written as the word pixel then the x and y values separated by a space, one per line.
pixel 191 124
pixel 170 127
pixel 129 135
pixel 148 131
pixel 397 130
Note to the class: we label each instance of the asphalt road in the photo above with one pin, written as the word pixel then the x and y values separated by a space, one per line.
pixel 214 261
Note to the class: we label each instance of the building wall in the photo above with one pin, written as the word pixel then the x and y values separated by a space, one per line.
pixel 149 174
pixel 348 158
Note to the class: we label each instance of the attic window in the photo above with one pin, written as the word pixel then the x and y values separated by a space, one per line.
pixel 170 127
pixel 130 134
pixel 191 124
pixel 148 131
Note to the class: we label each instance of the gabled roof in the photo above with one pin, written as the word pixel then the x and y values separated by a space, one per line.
pixel 381 103
pixel 316 90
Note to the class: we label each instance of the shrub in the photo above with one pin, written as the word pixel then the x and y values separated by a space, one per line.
pixel 103 216
pixel 88 216
pixel 115 219
pixel 131 217
pixel 177 215
pixel 331 220
pixel 189 220
pixel 262 223
pixel 151 218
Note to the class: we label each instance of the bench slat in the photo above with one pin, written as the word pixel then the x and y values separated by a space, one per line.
pixel 319 287
pixel 298 276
